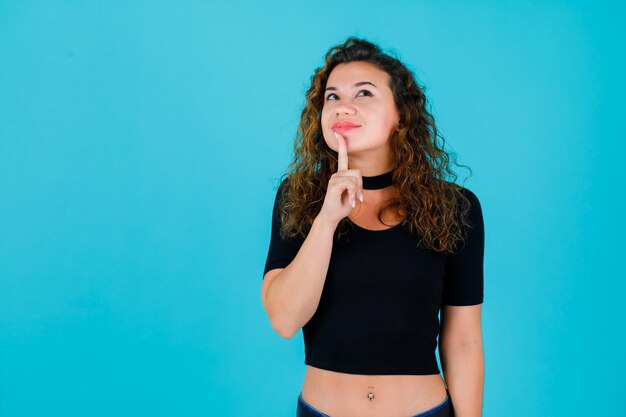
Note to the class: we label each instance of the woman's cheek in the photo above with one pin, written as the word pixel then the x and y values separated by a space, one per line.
pixel 326 138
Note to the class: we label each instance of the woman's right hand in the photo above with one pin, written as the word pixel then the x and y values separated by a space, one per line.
pixel 344 187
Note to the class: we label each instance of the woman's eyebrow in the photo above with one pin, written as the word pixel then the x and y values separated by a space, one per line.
pixel 355 85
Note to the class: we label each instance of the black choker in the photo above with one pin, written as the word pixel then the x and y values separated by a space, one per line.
pixel 378 181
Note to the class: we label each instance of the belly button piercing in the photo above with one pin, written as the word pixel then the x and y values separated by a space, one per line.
pixel 370 396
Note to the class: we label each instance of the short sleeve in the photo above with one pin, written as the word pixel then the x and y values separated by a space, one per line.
pixel 463 278
pixel 281 251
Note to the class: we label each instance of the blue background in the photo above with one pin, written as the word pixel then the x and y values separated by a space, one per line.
pixel 141 144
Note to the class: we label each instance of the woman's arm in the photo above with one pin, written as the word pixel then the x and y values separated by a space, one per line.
pixel 462 359
pixel 291 297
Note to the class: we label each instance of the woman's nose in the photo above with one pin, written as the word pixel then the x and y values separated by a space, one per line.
pixel 344 108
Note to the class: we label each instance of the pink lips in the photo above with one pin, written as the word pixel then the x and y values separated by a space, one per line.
pixel 342 127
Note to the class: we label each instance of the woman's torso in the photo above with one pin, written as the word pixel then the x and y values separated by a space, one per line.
pixel 345 395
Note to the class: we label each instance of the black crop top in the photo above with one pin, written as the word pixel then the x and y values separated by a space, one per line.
pixel 379 309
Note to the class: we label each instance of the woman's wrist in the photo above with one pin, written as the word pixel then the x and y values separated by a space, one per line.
pixel 324 223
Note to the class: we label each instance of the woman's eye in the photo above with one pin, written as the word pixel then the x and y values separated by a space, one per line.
pixel 367 93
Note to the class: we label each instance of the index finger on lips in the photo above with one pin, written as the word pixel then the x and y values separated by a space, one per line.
pixel 342 153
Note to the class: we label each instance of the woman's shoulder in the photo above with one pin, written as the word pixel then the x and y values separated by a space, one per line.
pixel 471 195
pixel 283 183
pixel 475 212
pixel 467 192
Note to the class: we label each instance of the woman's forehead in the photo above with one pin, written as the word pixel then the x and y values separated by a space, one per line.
pixel 347 74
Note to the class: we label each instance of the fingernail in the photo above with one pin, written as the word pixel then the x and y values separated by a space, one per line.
pixel 353 204
pixel 335 135
pixel 361 196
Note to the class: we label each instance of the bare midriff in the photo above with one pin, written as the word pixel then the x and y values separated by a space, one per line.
pixel 351 395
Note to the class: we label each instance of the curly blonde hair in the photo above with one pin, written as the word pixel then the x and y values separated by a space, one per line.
pixel 430 205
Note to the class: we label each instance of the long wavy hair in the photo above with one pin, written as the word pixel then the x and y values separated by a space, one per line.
pixel 429 201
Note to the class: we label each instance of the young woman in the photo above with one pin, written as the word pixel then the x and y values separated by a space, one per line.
pixel 370 243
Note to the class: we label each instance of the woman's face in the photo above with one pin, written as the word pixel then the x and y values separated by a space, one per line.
pixel 358 93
